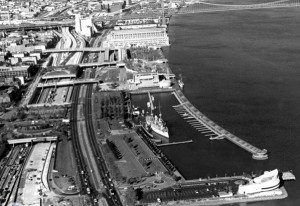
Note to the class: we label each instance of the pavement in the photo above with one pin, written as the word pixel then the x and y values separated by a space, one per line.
pixel 33 189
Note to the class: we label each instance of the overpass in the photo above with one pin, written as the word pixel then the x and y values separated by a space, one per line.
pixel 98 64
pixel 32 139
pixel 84 49
pixel 29 26
pixel 65 83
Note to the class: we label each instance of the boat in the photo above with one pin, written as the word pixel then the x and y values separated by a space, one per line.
pixel 185 114
pixel 180 82
pixel 135 111
pixel 157 125
pixel 266 182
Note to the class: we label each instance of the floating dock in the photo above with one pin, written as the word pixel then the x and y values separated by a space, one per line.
pixel 207 127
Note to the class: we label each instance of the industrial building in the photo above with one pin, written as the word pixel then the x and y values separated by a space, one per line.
pixel 154 37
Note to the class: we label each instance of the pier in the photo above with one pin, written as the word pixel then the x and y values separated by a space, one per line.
pixel 151 90
pixel 288 176
pixel 210 129
pixel 175 143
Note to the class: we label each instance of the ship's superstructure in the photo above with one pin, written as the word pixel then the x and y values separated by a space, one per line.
pixel 157 125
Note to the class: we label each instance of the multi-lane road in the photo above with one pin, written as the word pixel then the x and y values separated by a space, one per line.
pixel 91 181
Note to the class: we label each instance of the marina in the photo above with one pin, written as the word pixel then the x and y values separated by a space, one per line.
pixel 207 127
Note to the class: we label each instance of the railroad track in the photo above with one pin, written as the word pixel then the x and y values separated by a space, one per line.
pixel 85 183
pixel 115 199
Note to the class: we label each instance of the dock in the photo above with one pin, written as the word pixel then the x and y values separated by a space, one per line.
pixel 288 176
pixel 175 143
pixel 210 129
pixel 152 90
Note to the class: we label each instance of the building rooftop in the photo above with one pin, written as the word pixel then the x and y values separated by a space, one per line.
pixel 146 30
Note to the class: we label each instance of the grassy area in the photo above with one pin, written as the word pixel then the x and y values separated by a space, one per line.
pixel 110 160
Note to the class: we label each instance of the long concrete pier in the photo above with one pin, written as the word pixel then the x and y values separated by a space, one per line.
pixel 175 143
pixel 209 128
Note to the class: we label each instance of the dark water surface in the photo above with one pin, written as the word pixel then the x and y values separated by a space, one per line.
pixel 241 69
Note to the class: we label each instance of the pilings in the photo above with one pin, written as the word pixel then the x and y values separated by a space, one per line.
pixel 211 129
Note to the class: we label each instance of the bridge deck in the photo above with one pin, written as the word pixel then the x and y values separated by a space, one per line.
pixel 208 127
pixel 64 83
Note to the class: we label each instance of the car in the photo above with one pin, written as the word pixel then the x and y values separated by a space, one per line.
pixel 196 191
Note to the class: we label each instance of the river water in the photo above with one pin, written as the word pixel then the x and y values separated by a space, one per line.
pixel 241 69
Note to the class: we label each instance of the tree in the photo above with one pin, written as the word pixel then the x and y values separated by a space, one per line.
pixel 33 69
pixel 8 54
pixel 124 5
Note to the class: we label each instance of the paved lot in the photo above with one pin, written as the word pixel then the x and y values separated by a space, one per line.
pixel 187 192
pixel 33 174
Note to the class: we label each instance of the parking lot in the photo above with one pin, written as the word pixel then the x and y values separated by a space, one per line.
pixel 186 192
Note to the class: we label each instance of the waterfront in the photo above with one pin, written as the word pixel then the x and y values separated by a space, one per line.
pixel 241 70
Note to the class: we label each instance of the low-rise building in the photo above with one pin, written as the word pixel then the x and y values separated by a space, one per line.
pixel 154 37
pixel 18 71
pixel 4 97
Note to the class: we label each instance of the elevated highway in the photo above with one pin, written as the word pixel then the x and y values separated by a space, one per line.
pixel 66 83
pixel 83 49
pixel 31 26
pixel 32 139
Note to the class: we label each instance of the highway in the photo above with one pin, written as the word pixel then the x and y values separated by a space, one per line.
pixel 114 199
pixel 109 194
pixel 81 165
pixel 11 167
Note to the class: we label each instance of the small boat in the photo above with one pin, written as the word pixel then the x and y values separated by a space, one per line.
pixel 135 111
pixel 180 82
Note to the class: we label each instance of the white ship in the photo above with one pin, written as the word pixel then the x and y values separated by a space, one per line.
pixel 157 125
pixel 266 182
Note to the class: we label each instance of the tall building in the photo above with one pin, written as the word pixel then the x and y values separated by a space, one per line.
pixel 154 37
pixel 83 26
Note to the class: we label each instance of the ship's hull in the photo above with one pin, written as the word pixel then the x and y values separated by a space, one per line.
pixel 159 132
pixel 155 128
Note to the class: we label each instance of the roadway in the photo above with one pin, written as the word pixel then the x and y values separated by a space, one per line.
pixel 81 164
pixel 85 49
pixel 110 189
